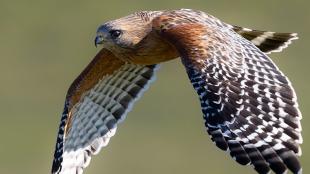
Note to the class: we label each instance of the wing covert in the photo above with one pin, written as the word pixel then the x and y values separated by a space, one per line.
pixel 96 102
pixel 249 105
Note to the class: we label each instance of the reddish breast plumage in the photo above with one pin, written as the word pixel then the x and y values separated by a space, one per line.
pixel 249 106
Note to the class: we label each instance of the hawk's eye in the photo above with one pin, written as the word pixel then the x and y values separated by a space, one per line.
pixel 115 33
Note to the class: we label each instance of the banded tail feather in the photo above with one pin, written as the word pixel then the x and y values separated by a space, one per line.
pixel 249 106
pixel 267 41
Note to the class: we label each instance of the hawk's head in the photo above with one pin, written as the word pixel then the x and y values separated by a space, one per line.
pixel 132 39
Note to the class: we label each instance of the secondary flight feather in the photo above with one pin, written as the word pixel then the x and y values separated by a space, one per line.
pixel 249 106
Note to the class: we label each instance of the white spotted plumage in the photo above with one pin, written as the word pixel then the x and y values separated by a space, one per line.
pixel 95 121
pixel 249 106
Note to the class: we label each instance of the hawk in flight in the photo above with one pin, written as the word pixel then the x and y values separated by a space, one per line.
pixel 249 106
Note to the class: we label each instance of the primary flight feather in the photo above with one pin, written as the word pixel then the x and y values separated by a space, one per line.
pixel 249 106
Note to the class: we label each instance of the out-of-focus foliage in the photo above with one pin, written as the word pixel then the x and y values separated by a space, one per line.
pixel 45 44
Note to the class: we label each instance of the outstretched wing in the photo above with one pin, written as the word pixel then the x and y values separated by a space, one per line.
pixel 96 102
pixel 249 106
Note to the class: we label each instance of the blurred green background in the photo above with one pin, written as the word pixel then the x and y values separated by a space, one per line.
pixel 44 45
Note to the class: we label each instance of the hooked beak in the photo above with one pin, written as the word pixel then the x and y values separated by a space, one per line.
pixel 98 40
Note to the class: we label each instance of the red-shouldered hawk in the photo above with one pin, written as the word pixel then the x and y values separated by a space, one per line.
pixel 249 106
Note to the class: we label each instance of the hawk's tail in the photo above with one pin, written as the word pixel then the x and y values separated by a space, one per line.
pixel 266 41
